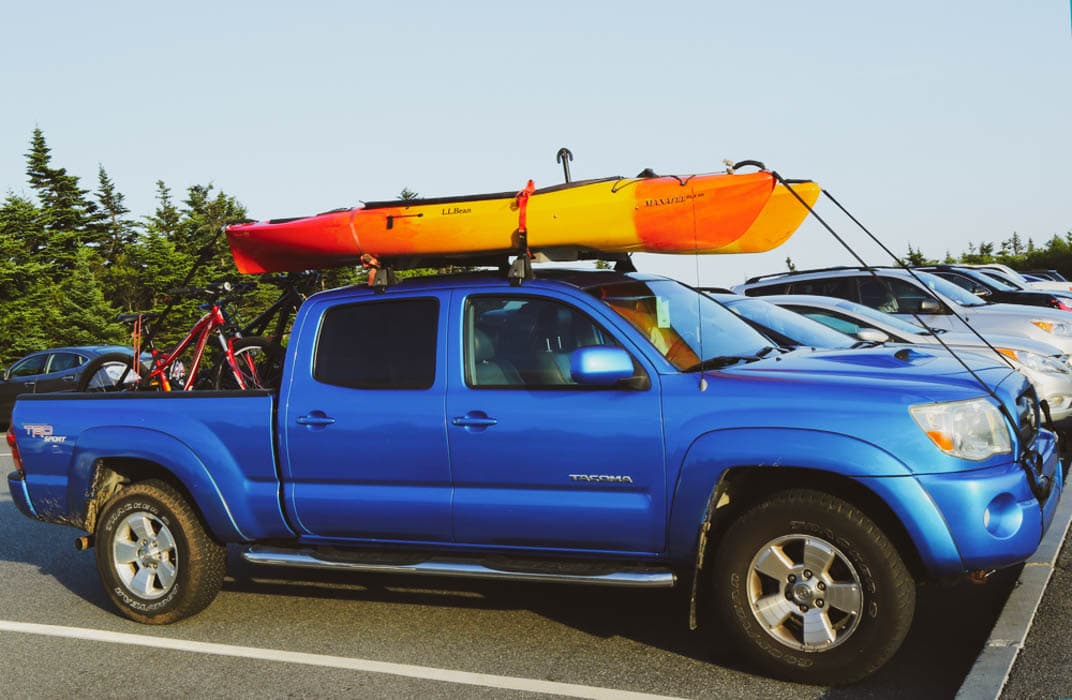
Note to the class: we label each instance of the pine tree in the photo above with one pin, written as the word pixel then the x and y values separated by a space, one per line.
pixel 165 220
pixel 66 213
pixel 115 229
pixel 82 316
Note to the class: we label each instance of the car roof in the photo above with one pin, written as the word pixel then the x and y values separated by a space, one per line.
pixel 543 277
pixel 840 271
pixel 82 349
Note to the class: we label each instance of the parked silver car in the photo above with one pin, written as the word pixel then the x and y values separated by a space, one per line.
pixel 929 297
pixel 1046 366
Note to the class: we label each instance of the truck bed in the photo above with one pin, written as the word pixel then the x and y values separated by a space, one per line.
pixel 205 438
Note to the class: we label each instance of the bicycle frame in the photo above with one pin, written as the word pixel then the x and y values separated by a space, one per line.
pixel 163 364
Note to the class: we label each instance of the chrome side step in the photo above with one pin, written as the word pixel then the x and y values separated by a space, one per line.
pixel 512 569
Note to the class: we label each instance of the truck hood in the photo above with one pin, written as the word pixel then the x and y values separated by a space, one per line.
pixel 915 371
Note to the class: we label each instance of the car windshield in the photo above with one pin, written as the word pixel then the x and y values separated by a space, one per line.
pixel 690 329
pixel 800 330
pixel 949 290
pixel 1002 277
pixel 881 317
pixel 996 282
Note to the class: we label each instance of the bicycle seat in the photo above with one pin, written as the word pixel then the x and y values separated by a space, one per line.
pixel 130 318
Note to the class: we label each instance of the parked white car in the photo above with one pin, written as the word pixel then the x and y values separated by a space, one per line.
pixel 1045 365
pixel 921 297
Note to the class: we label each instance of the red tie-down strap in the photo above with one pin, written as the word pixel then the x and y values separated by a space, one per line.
pixel 522 207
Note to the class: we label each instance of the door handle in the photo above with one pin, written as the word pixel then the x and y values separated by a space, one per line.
pixel 69 379
pixel 315 419
pixel 474 419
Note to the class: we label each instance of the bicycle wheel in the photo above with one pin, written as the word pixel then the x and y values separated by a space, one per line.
pixel 104 373
pixel 255 361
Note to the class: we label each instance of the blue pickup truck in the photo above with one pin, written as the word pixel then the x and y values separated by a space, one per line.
pixel 588 427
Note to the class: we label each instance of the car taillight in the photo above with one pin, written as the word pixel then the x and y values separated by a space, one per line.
pixel 15 457
pixel 1058 304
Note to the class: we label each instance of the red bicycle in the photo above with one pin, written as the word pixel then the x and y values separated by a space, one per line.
pixel 237 361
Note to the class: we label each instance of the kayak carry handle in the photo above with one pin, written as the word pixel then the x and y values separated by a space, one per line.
pixel 746 163
pixel 564 156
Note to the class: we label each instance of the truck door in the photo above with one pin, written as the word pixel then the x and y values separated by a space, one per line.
pixel 537 459
pixel 364 444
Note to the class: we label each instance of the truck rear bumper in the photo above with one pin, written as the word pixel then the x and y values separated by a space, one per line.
pixel 19 493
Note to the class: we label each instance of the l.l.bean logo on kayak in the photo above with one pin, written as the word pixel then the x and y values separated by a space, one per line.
pixel 451 211
pixel 667 201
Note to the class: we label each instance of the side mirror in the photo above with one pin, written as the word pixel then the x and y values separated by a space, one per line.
pixel 872 335
pixel 982 292
pixel 600 365
pixel 929 306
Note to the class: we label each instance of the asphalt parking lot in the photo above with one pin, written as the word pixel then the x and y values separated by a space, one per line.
pixel 284 633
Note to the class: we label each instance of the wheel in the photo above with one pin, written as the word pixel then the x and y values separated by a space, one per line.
pixel 103 373
pixel 256 361
pixel 812 589
pixel 155 559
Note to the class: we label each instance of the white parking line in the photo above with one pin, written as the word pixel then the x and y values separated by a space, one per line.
pixel 366 665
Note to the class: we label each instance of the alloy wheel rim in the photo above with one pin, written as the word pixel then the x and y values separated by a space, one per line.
pixel 145 556
pixel 805 593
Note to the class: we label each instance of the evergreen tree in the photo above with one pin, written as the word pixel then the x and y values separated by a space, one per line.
pixel 115 228
pixel 915 258
pixel 66 213
pixel 82 316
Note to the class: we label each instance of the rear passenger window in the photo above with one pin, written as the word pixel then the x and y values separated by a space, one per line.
pixel 766 290
pixel 379 345
pixel 840 287
pixel 63 361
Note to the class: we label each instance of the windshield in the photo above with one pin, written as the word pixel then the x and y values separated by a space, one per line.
pixel 1001 277
pixel 683 324
pixel 881 317
pixel 799 330
pixel 995 282
pixel 949 290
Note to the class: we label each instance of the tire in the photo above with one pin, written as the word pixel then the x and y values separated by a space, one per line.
pixel 103 373
pixel 156 561
pixel 256 358
pixel 764 583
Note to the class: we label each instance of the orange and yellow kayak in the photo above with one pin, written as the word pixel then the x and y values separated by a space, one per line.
pixel 672 214
pixel 780 218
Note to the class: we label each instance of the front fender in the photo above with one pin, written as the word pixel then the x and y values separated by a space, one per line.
pixel 226 501
pixel 712 454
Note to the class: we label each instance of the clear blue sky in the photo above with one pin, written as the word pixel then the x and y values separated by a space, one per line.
pixel 937 123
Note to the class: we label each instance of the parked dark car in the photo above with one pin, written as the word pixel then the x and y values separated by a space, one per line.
pixel 992 289
pixel 57 369
pixel 1047 275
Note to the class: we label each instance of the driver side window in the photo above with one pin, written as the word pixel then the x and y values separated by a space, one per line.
pixel 524 342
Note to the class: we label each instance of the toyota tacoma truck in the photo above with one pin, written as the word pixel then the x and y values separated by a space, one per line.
pixel 593 427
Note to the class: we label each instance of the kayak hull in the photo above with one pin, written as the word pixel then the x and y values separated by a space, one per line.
pixel 674 214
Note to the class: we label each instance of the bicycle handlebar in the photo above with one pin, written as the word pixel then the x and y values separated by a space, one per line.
pixel 214 290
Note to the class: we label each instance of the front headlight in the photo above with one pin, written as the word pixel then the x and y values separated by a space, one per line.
pixel 972 429
pixel 1032 360
pixel 1055 327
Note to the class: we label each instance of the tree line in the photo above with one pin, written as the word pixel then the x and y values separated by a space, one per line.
pixel 72 258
